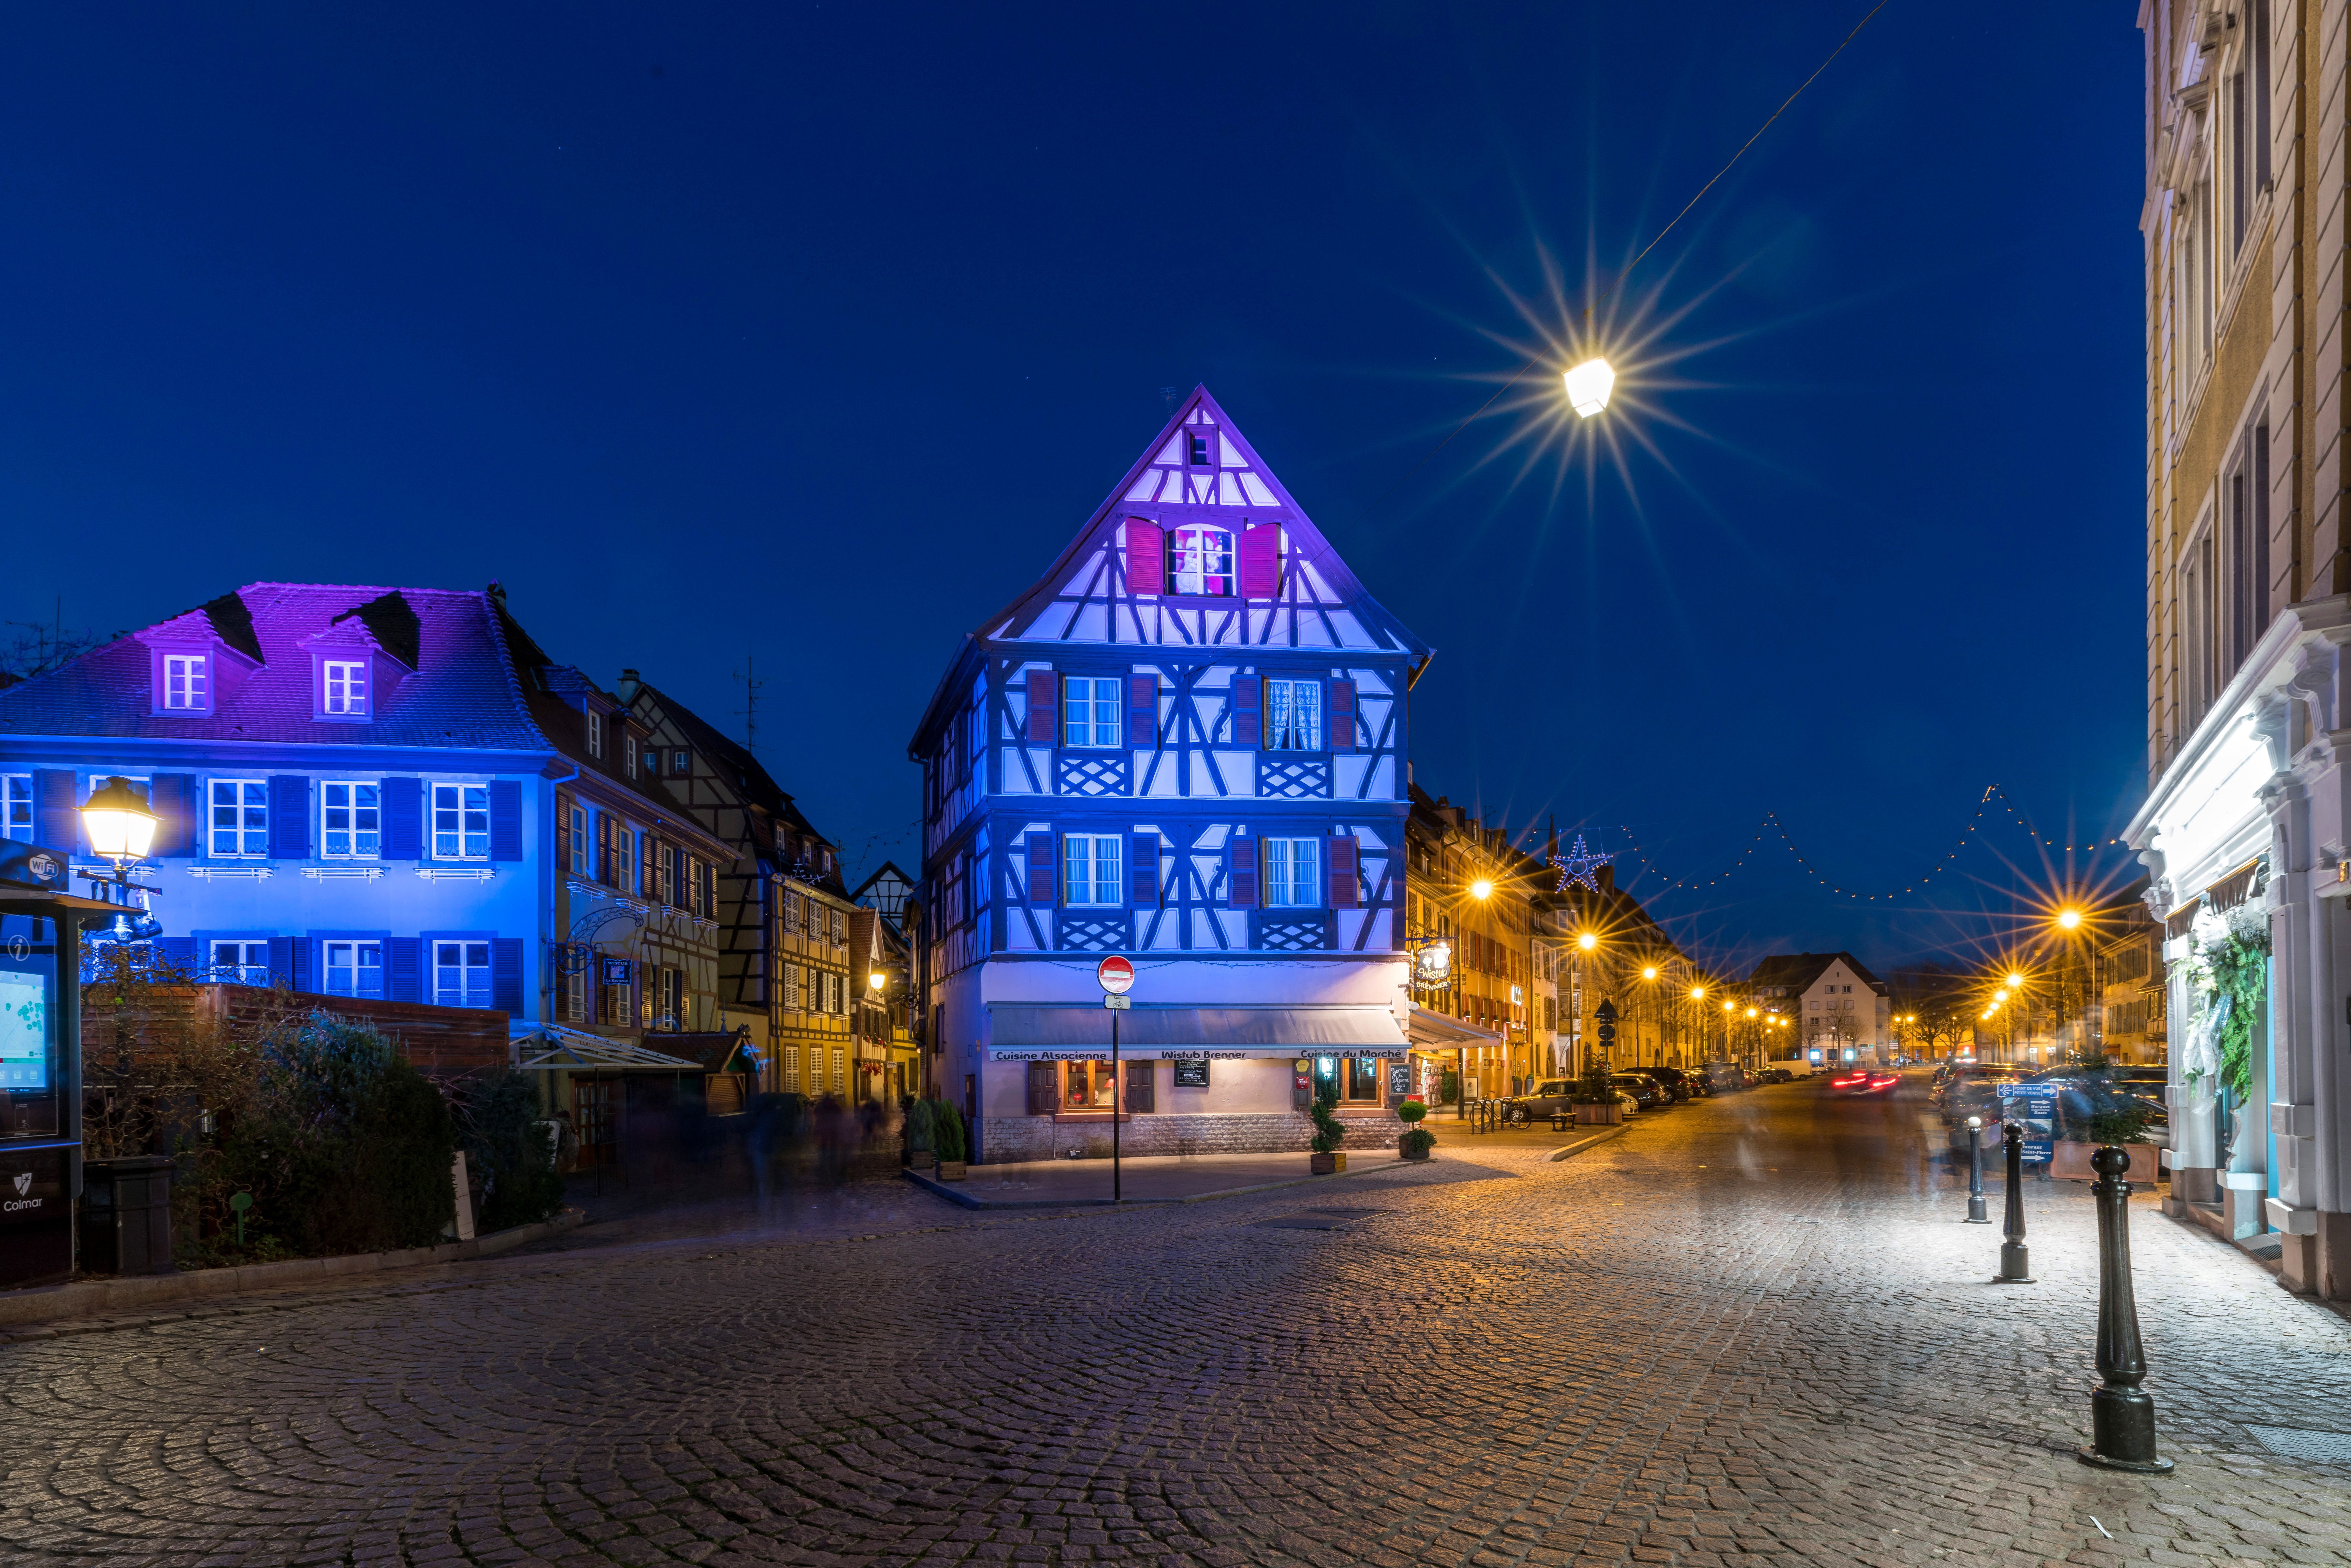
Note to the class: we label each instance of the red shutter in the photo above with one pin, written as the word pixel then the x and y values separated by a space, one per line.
pixel 1240 874
pixel 1342 859
pixel 1044 708
pixel 1143 870
pixel 1260 561
pixel 1342 716
pixel 1248 711
pixel 1143 710
pixel 1044 1088
pixel 1146 557
pixel 1044 867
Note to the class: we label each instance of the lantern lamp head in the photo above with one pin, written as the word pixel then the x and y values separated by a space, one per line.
pixel 877 979
pixel 1649 973
pixel 1481 889
pixel 1588 386
pixel 2069 919
pixel 1588 941
pixel 118 820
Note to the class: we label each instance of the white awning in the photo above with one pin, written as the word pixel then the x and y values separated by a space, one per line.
pixel 1020 1031
pixel 1435 1029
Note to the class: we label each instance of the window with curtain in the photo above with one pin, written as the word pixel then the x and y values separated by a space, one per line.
pixel 1293 715
pixel 1090 871
pixel 1203 561
pixel 1090 711
pixel 1289 873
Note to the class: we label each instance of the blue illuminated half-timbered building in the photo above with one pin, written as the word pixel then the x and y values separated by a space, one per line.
pixel 1186 743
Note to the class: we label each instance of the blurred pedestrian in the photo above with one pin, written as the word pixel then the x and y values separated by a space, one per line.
pixel 833 1132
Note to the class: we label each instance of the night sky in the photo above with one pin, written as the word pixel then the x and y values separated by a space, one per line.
pixel 810 334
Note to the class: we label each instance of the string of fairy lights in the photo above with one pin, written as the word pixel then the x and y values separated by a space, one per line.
pixel 1771 827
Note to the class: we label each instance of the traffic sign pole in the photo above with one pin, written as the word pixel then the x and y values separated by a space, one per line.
pixel 1116 977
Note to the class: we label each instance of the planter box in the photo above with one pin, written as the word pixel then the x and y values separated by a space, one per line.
pixel 951 1170
pixel 1327 1164
pixel 1404 1147
pixel 922 1159
pixel 1598 1115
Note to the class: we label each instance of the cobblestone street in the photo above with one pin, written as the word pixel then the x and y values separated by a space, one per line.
pixel 1750 1330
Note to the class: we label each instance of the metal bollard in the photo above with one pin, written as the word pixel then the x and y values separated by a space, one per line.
pixel 2122 1416
pixel 1976 1215
pixel 2015 1260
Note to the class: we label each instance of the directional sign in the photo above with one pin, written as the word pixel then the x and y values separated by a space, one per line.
pixel 1116 974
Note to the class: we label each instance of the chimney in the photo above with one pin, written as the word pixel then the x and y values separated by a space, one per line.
pixel 628 688
pixel 498 592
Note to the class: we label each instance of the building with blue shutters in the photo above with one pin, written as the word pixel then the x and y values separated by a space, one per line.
pixel 1184 742
pixel 387 793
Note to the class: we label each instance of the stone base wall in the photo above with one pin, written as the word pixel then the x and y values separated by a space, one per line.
pixel 1008 1139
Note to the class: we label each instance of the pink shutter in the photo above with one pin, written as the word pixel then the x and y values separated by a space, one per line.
pixel 1240 874
pixel 1342 859
pixel 1260 562
pixel 1044 707
pixel 1142 711
pixel 1146 557
pixel 1143 870
pixel 1248 711
pixel 1044 868
pixel 1342 716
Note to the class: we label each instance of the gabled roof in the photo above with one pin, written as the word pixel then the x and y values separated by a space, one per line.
pixel 1239 487
pixel 1798 972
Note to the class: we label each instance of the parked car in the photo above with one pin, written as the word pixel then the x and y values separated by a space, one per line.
pixel 1950 1078
pixel 2084 1095
pixel 1683 1084
pixel 1647 1094
pixel 1546 1100
pixel 1977 1094
pixel 1725 1078
pixel 1775 1075
pixel 1665 1085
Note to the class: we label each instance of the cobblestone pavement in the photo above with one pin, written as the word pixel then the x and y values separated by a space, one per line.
pixel 1750 1331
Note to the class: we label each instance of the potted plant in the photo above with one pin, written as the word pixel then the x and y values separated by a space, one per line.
pixel 1417 1140
pixel 947 1130
pixel 1595 1100
pixel 1329 1131
pixel 921 1148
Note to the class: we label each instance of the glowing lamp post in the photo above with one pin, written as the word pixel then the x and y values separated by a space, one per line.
pixel 1588 386
pixel 122 828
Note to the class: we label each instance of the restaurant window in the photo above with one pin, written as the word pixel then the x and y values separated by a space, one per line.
pixel 1087 1086
pixel 1358 1077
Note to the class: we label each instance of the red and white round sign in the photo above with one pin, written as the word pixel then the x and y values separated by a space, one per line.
pixel 1116 974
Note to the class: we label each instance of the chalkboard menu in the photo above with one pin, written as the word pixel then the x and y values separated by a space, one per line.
pixel 1191 1075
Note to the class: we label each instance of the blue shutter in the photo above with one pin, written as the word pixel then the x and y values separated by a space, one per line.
pixel 1043 870
pixel 1143 870
pixel 57 810
pixel 403 819
pixel 289 817
pixel 173 797
pixel 281 961
pixel 403 968
pixel 505 975
pixel 505 820
pixel 179 952
pixel 303 971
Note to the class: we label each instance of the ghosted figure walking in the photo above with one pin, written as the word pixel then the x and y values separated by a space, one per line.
pixel 834 1133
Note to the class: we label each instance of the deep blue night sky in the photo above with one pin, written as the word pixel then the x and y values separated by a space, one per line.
pixel 812 333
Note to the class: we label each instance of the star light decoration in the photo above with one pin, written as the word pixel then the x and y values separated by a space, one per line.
pixel 1581 866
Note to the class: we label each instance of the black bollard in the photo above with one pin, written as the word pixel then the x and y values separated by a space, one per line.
pixel 1976 1215
pixel 2122 1416
pixel 2016 1261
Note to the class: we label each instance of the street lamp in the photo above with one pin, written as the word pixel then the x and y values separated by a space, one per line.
pixel 122 827
pixel 1588 386
pixel 1482 889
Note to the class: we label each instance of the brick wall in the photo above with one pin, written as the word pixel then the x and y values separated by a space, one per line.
pixel 1005 1139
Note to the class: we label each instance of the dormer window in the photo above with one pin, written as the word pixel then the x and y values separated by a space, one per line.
pixel 595 734
pixel 1204 561
pixel 1198 448
pixel 629 753
pixel 186 685
pixel 343 688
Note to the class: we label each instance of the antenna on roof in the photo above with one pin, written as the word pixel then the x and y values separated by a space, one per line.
pixel 749 711
pixel 1168 395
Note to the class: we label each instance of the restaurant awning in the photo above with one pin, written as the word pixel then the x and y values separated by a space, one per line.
pixel 2234 888
pixel 1020 1031
pixel 1435 1029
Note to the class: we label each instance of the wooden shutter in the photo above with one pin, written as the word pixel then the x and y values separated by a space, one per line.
pixel 1044 867
pixel 1248 711
pixel 281 961
pixel 1342 716
pixel 1240 874
pixel 289 817
pixel 505 819
pixel 173 797
pixel 1260 561
pixel 403 820
pixel 403 968
pixel 1044 1088
pixel 505 975
pixel 648 847
pixel 1143 870
pixel 1044 708
pixel 562 831
pixel 1142 711
pixel 1146 557
pixel 1342 858
pixel 57 810
pixel 1140 1081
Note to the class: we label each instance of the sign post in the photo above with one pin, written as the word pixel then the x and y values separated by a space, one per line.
pixel 1116 977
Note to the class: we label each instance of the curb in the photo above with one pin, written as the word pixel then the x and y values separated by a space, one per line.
pixel 964 1200
pixel 1583 1144
pixel 107 1297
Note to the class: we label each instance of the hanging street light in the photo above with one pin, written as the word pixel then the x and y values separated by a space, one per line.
pixel 117 821
pixel 1588 386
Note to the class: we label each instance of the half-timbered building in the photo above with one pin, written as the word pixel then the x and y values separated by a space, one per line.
pixel 1183 743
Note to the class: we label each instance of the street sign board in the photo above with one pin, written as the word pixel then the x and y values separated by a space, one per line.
pixel 2033 1107
pixel 1118 1004
pixel 1115 975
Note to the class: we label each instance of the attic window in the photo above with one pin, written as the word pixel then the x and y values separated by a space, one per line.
pixel 1204 561
pixel 629 753
pixel 186 684
pixel 343 688
pixel 1197 448
pixel 680 760
pixel 595 734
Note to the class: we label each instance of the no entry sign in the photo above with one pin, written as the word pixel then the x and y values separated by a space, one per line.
pixel 1116 974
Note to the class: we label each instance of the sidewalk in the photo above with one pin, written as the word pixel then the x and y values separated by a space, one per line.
pixel 1157 1178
